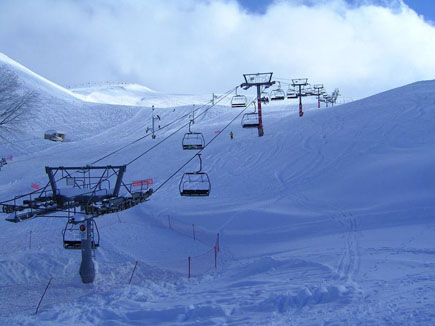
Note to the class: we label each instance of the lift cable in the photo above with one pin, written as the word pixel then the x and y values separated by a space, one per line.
pixel 183 126
pixel 167 137
pixel 167 125
pixel 118 150
pixel 141 155
pixel 211 140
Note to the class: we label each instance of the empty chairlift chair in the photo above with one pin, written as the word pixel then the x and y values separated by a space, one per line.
pixel 277 94
pixel 193 140
pixel 251 119
pixel 239 101
pixel 291 92
pixel 308 90
pixel 195 183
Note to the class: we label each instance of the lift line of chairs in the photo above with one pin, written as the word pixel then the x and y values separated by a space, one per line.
pixel 197 183
pixel 277 94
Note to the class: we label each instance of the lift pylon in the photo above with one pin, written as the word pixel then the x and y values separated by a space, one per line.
pixel 259 80
pixel 318 90
pixel 299 83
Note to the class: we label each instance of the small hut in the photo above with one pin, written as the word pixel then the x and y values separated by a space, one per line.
pixel 54 135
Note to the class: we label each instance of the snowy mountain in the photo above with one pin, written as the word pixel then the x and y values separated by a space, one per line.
pixel 135 95
pixel 327 219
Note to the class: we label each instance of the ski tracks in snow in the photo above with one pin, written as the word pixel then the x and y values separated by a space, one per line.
pixel 349 263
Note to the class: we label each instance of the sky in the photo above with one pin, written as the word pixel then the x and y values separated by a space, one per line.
pixel 202 46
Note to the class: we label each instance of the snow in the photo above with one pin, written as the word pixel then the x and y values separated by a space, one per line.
pixel 326 220
pixel 135 95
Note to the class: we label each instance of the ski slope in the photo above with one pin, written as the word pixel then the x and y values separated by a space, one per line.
pixel 326 220
pixel 135 95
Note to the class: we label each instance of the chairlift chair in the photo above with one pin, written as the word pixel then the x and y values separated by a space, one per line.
pixel 277 94
pixel 195 183
pixel 309 91
pixel 250 120
pixel 239 101
pixel 193 140
pixel 292 93
pixel 75 231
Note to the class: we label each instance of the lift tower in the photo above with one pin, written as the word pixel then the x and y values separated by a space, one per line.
pixel 80 195
pixel 301 82
pixel 318 90
pixel 259 80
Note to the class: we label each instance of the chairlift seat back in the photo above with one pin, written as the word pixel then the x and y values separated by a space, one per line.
pixel 193 141
pixel 195 184
pixel 250 120
pixel 277 95
pixel 239 101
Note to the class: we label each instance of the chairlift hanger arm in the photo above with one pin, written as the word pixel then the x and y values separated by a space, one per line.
pixel 200 163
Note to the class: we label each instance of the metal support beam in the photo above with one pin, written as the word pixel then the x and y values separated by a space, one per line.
pixel 153 136
pixel 119 180
pixel 301 82
pixel 50 174
pixel 301 113
pixel 260 117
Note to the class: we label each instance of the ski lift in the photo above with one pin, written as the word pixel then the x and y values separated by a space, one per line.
pixel 251 119
pixel 195 183
pixel 291 92
pixel 308 90
pixel 277 94
pixel 193 140
pixel 75 232
pixel 239 101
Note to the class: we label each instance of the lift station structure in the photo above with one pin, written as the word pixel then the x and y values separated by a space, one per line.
pixel 260 80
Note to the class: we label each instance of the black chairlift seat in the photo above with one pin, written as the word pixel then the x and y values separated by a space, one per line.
pixel 193 141
pixel 195 184
pixel 72 235
pixel 239 101
pixel 250 120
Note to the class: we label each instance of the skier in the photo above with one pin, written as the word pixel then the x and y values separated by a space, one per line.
pixel 231 135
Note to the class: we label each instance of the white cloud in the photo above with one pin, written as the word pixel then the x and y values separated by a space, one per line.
pixel 205 46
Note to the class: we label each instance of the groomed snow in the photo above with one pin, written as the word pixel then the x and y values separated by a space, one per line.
pixel 326 220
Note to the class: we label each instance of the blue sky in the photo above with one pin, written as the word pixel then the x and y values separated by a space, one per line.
pixel 422 7
pixel 204 46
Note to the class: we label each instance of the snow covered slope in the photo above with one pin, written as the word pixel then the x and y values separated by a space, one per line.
pixel 326 220
pixel 133 94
